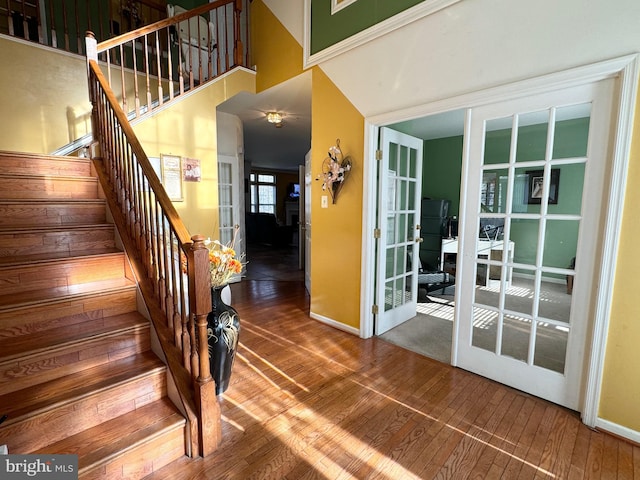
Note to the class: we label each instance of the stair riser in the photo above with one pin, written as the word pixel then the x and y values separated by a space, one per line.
pixel 43 367
pixel 65 420
pixel 142 460
pixel 47 187
pixel 14 214
pixel 62 273
pixel 36 318
pixel 59 241
pixel 23 165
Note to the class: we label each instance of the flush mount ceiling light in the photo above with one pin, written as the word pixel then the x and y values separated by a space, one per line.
pixel 275 118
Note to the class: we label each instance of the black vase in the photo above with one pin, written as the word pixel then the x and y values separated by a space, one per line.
pixel 223 328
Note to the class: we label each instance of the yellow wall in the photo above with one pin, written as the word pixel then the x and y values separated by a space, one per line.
pixel 188 129
pixel 336 231
pixel 45 99
pixel 620 399
pixel 276 54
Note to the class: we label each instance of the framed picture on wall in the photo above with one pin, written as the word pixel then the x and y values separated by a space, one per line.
pixel 172 176
pixel 535 181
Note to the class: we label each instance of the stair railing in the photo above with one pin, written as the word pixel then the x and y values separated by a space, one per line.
pixel 156 63
pixel 172 268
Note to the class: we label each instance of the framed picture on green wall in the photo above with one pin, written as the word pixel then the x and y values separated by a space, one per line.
pixel 535 180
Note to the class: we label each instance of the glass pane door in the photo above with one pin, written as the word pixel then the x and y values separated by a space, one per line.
pixel 531 225
pixel 398 213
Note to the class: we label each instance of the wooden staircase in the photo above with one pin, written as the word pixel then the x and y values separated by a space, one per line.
pixel 77 374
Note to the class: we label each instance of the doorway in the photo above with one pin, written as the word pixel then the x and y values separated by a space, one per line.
pixel 500 269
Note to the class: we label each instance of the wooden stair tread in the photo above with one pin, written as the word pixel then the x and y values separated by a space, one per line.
pixel 99 444
pixel 51 201
pixel 23 404
pixel 51 228
pixel 55 294
pixel 4 154
pixel 40 258
pixel 49 176
pixel 49 340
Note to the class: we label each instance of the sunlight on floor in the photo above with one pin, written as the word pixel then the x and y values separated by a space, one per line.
pixel 437 309
pixel 285 425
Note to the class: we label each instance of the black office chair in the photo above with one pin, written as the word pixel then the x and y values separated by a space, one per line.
pixel 431 279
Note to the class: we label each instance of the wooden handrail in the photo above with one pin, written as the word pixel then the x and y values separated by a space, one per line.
pixel 155 64
pixel 171 266
pixel 162 253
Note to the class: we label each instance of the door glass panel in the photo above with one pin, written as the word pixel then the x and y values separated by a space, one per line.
pixel 560 243
pixel 401 218
pixel 569 198
pixel 409 228
pixel 388 295
pixel 516 332
pixel 497 142
pixel 391 230
pixel 402 194
pixel 393 157
pixel 532 136
pixel 555 302
pixel 572 131
pixel 519 296
pixel 526 197
pixel 551 346
pixel 485 327
pixel 493 191
pixel 524 234
pixel 389 264
pixel 404 161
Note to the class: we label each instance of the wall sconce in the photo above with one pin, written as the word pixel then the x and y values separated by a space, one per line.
pixel 275 118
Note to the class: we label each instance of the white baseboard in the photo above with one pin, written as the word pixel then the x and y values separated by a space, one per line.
pixel 618 430
pixel 333 323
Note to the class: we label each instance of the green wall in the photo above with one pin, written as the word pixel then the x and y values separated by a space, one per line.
pixel 441 179
pixel 327 29
pixel 442 165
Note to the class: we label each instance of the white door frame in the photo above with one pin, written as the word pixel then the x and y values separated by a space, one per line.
pixel 626 69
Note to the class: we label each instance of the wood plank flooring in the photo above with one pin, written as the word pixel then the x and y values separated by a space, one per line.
pixel 307 401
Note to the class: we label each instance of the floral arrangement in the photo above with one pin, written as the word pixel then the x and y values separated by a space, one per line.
pixel 335 170
pixel 224 262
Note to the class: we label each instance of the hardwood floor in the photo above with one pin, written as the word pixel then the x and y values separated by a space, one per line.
pixel 307 401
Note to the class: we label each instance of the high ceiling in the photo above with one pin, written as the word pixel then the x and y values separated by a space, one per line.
pixel 266 146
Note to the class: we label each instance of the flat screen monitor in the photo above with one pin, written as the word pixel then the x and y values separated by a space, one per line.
pixel 294 190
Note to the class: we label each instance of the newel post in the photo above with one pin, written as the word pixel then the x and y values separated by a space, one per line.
pixel 205 388
pixel 91 47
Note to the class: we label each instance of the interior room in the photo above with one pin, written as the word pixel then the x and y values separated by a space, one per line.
pixel 430 331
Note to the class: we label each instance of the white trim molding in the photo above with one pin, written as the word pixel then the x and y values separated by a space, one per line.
pixel 627 70
pixel 337 5
pixel 618 430
pixel 334 323
pixel 403 18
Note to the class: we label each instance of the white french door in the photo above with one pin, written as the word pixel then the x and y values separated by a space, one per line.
pixel 533 213
pixel 228 197
pixel 399 190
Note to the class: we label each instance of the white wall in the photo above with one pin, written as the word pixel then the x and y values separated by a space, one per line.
pixel 476 44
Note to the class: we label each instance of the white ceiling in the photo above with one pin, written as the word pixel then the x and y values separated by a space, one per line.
pixel 266 146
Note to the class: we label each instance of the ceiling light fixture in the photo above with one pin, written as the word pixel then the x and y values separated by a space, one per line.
pixel 274 117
